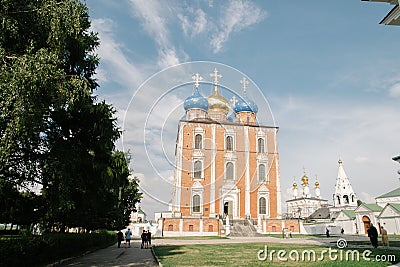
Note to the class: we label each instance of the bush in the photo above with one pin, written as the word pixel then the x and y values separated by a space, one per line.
pixel 48 248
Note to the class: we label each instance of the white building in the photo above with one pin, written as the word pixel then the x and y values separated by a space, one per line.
pixel 367 214
pixel 304 204
pixel 346 220
pixel 344 197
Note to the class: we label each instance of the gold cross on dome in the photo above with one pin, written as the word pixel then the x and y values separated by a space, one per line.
pixel 233 100
pixel 216 75
pixel 197 78
pixel 245 82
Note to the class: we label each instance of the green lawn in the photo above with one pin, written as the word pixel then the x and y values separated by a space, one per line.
pixel 246 255
pixel 295 235
pixel 392 243
pixel 192 237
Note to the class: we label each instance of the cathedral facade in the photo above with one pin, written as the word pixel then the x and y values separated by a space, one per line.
pixel 227 164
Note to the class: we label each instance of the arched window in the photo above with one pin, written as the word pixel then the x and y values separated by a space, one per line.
pixel 352 198
pixel 196 203
pixel 262 205
pixel 261 173
pixel 197 169
pixel 346 199
pixel 260 143
pixel 198 141
pixel 229 143
pixel 229 171
pixel 338 199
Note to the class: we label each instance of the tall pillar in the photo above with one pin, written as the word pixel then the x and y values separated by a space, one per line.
pixel 247 175
pixel 212 185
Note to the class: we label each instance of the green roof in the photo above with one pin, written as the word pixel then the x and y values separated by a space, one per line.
pixel 396 206
pixel 373 207
pixel 350 213
pixel 394 193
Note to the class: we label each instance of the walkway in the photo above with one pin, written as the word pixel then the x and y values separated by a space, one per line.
pixel 114 256
pixel 134 256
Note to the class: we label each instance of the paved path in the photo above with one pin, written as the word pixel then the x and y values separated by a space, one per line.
pixel 114 256
pixel 134 256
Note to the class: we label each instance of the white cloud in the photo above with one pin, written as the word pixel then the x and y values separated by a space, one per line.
pixel 193 22
pixel 114 64
pixel 367 198
pixel 154 17
pixel 238 15
pixel 167 58
pixel 361 159
pixel 395 90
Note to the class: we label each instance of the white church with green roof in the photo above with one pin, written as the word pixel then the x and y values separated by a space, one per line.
pixel 385 212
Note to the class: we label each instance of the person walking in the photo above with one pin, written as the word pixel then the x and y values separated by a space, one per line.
pixel 373 235
pixel 128 235
pixel 385 239
pixel 144 239
pixel 120 237
pixel 148 240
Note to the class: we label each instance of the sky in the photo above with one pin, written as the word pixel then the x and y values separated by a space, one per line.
pixel 325 72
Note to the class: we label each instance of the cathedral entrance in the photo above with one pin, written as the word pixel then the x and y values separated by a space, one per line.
pixel 228 209
pixel 367 223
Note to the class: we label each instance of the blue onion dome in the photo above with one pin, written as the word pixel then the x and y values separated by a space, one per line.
pixel 196 101
pixel 245 104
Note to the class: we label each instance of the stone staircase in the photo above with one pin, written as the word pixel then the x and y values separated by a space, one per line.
pixel 243 228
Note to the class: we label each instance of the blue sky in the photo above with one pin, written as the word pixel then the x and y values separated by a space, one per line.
pixel 329 71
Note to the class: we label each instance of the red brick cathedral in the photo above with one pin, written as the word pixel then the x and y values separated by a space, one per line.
pixel 227 166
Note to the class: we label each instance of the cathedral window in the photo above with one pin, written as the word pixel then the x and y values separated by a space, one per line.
pixel 260 145
pixel 346 199
pixel 352 198
pixel 198 140
pixel 196 203
pixel 229 143
pixel 262 205
pixel 338 199
pixel 261 173
pixel 229 171
pixel 197 169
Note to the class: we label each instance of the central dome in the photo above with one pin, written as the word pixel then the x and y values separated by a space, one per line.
pixel 218 103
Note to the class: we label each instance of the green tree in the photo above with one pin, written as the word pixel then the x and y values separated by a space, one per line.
pixel 53 131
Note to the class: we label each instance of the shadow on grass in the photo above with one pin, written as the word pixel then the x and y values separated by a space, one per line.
pixel 165 251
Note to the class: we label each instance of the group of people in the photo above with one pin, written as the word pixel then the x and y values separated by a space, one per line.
pixel 146 239
pixel 128 236
pixel 373 236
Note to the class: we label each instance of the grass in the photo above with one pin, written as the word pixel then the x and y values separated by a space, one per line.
pixel 295 235
pixel 192 237
pixel 246 255
pixel 368 243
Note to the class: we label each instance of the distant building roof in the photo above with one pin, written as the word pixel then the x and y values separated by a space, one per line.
pixel 140 211
pixel 396 206
pixel 307 198
pixel 373 207
pixel 393 193
pixel 350 213
pixel 321 213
